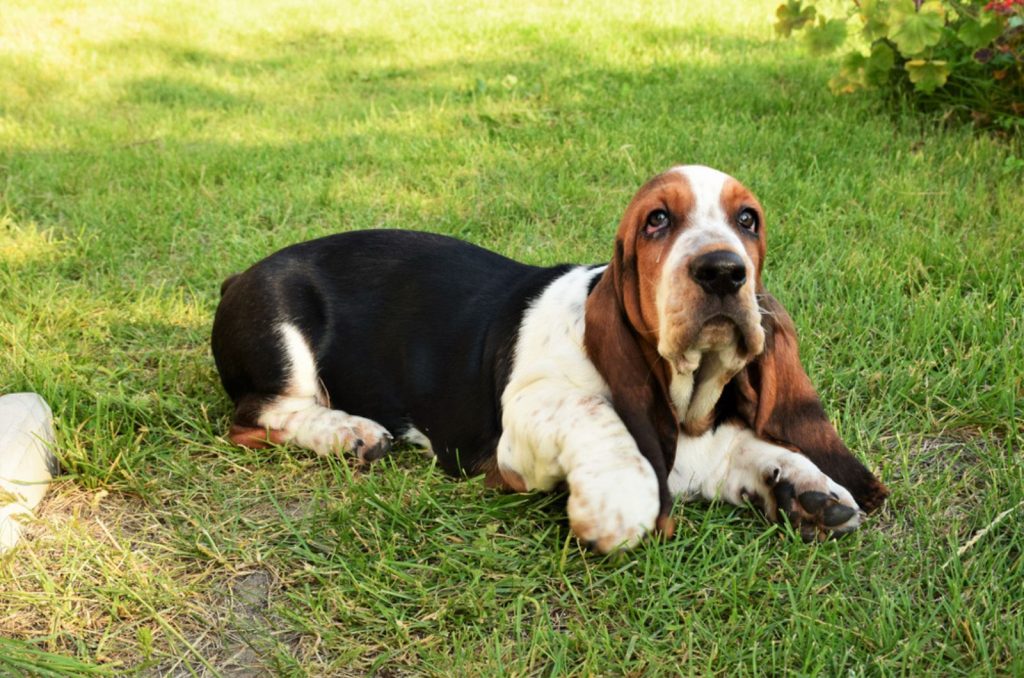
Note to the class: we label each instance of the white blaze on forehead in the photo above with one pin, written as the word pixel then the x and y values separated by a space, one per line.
pixel 706 184
pixel 707 223
pixel 706 227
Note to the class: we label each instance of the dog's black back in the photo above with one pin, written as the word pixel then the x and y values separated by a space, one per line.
pixel 452 308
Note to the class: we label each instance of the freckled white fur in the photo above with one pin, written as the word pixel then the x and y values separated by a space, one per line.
pixel 300 414
pixel 559 423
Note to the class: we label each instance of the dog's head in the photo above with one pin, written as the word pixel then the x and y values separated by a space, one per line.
pixel 676 317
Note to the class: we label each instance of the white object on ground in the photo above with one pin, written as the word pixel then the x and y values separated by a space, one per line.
pixel 27 463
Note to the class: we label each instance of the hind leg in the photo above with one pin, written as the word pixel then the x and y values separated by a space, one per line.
pixel 308 424
pixel 299 414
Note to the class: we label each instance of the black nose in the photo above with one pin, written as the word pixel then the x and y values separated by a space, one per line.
pixel 721 272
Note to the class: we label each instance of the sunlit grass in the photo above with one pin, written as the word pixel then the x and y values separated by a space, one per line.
pixel 147 150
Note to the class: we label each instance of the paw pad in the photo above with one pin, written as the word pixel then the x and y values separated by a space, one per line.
pixel 815 515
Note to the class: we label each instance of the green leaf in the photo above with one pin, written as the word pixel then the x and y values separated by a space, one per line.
pixel 826 37
pixel 844 84
pixel 915 30
pixel 792 17
pixel 927 75
pixel 875 16
pixel 851 76
pixel 858 71
pixel 935 7
pixel 975 34
pixel 854 61
pixel 879 63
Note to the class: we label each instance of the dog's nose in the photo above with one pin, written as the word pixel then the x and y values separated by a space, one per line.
pixel 720 272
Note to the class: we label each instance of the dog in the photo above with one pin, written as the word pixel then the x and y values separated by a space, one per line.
pixel 668 372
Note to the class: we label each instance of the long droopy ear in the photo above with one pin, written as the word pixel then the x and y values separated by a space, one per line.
pixel 634 371
pixel 776 398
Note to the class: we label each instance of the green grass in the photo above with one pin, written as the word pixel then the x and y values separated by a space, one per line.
pixel 148 149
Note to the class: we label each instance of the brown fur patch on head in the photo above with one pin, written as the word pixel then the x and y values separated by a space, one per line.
pixel 622 322
pixel 685 303
pixel 735 197
pixel 644 256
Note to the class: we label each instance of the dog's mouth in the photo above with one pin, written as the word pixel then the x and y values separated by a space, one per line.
pixel 715 334
pixel 720 332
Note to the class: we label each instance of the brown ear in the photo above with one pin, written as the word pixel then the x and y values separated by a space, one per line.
pixel 636 374
pixel 776 398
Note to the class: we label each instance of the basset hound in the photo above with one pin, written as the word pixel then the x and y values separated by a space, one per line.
pixel 669 372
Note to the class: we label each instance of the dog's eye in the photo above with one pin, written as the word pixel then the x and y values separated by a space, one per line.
pixel 747 220
pixel 657 221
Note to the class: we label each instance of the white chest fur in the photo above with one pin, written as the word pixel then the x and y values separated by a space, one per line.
pixel 559 425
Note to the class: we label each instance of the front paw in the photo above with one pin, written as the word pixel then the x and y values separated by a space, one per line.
pixel 613 508
pixel 795 490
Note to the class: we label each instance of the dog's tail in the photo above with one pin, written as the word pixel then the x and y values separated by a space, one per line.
pixel 227 283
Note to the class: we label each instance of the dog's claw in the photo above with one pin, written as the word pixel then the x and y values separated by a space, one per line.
pixel 814 501
pixel 837 514
pixel 809 502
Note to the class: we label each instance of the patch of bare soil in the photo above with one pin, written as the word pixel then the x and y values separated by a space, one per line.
pixel 102 577
pixel 958 460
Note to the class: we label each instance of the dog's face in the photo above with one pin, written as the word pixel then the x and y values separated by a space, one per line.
pixel 678 298
pixel 697 237
pixel 676 319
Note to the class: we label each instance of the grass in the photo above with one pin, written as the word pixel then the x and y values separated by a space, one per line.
pixel 149 149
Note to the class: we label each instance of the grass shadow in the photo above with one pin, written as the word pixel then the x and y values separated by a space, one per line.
pixel 170 93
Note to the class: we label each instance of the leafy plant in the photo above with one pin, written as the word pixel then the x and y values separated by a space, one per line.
pixel 959 56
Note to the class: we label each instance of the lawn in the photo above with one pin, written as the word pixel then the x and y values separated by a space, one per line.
pixel 149 149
